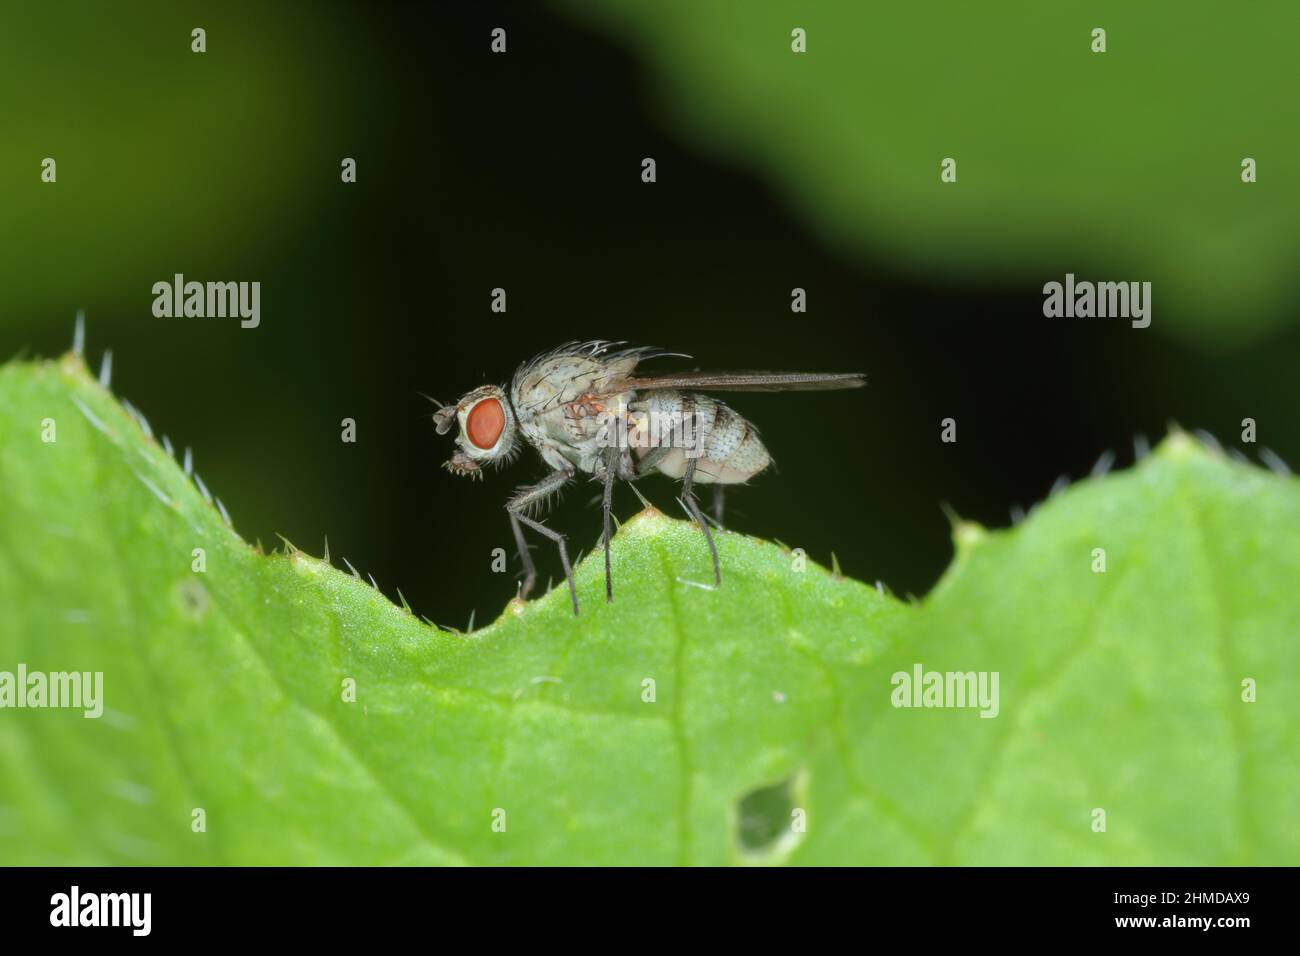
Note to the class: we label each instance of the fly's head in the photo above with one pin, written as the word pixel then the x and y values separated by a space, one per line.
pixel 487 431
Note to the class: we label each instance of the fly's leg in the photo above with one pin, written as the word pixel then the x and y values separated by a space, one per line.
pixel 518 505
pixel 718 495
pixel 564 554
pixel 649 461
pixel 606 503
pixel 530 569
pixel 693 509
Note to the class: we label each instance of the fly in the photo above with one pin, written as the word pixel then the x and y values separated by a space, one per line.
pixel 585 408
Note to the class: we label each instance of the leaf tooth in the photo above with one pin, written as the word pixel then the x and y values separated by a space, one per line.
pixel 1208 440
pixel 79 334
pixel 1103 464
pixel 106 369
pixel 356 574
pixel 138 415
pixel 1274 462
pixel 95 421
pixel 203 489
pixel 1178 445
pixel 645 502
pixel 967 534
pixel 696 584
pixel 188 464
pixel 157 492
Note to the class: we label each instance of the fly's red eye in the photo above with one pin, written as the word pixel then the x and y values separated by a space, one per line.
pixel 485 422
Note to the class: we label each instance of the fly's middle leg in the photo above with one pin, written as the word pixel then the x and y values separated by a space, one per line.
pixel 517 508
pixel 693 509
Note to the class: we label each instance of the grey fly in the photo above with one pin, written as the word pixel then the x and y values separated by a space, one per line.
pixel 585 407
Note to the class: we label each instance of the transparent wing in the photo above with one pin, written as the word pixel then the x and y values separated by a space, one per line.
pixel 749 381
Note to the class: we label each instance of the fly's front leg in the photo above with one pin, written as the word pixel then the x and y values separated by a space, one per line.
pixel 526 559
pixel 693 509
pixel 517 507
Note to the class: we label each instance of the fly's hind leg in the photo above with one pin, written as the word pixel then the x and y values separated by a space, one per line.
pixel 517 508
pixel 611 466
pixel 693 509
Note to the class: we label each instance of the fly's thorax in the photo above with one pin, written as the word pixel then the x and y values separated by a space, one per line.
pixel 569 409
pixel 558 380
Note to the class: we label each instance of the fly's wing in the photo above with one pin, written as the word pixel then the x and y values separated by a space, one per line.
pixel 748 381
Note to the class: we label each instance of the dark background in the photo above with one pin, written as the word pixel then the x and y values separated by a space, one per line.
pixel 523 171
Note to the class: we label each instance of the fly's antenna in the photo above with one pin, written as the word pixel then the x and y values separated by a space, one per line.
pixel 443 416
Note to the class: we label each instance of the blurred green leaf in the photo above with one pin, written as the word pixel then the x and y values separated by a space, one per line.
pixel 1123 165
pixel 680 724
pixel 167 160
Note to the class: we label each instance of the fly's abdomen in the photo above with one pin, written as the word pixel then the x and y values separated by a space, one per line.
pixel 733 451
pixel 673 426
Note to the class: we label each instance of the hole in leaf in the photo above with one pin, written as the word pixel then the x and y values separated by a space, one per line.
pixel 769 819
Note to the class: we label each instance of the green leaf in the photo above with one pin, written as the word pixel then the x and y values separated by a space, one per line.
pixel 1102 164
pixel 225 689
